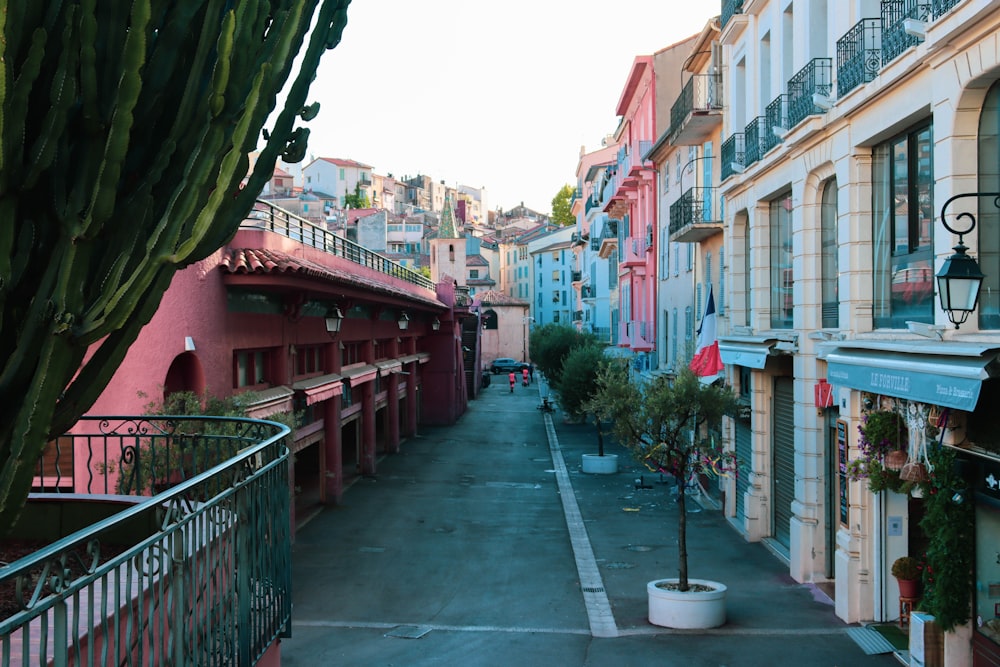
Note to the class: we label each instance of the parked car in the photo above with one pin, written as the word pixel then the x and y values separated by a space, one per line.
pixel 506 365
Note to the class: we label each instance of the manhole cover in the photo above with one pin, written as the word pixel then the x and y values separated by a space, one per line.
pixel 638 547
pixel 619 566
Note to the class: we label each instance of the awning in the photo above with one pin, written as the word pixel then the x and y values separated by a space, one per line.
pixel 270 401
pixel 359 373
pixel 948 380
pixel 386 366
pixel 320 388
pixel 423 357
pixel 409 359
pixel 749 352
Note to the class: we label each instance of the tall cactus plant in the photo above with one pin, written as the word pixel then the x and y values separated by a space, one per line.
pixel 125 129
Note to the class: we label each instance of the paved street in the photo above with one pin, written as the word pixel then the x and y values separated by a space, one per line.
pixel 483 544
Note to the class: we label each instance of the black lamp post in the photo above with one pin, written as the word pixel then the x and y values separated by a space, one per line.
pixel 960 277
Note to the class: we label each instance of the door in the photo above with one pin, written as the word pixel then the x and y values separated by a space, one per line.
pixel 783 460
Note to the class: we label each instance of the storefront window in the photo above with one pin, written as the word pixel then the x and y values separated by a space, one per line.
pixel 780 218
pixel 987 612
pixel 989 215
pixel 903 216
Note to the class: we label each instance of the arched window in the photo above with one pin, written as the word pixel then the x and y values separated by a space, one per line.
pixel 828 254
pixel 988 225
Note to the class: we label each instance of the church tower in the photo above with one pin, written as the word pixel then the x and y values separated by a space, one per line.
pixel 448 249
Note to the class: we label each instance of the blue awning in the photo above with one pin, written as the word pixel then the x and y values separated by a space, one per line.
pixel 945 380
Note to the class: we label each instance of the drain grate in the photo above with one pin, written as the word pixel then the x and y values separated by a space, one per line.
pixel 593 589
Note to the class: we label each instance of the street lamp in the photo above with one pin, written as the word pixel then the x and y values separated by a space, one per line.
pixel 334 320
pixel 960 277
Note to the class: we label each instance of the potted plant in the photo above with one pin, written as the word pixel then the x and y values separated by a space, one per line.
pixel 661 421
pixel 908 572
pixel 577 385
pixel 882 443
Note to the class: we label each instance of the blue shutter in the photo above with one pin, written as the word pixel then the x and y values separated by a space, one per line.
pixel 720 298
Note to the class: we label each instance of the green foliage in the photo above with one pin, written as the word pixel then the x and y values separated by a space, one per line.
pixel 561 213
pixel 880 432
pixel 662 422
pixel 125 131
pixel 950 529
pixel 907 568
pixel 578 383
pixel 550 344
pixel 357 200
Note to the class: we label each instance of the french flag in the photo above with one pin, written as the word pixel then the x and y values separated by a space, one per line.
pixel 707 361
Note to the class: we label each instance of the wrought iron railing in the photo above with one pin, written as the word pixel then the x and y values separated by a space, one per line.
pixel 895 14
pixel 859 55
pixel 733 155
pixel 729 8
pixel 702 92
pixel 694 206
pixel 276 219
pixel 942 7
pixel 776 116
pixel 603 334
pixel 816 78
pixel 753 136
pixel 196 574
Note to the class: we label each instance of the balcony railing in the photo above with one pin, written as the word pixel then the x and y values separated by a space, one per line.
pixel 276 219
pixel 941 7
pixel 733 155
pixel 859 55
pixel 896 16
pixel 196 574
pixel 701 95
pixel 592 203
pixel 753 136
pixel 807 87
pixel 776 116
pixel 729 8
pixel 693 217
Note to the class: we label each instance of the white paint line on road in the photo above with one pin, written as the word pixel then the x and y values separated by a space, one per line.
pixel 602 620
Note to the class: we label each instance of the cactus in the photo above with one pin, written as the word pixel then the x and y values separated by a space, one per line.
pixel 125 128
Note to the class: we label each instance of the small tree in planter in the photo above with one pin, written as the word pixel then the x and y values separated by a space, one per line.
pixel 550 344
pixel 661 423
pixel 577 386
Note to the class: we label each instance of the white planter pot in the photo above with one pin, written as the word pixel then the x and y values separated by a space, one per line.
pixel 690 610
pixel 600 465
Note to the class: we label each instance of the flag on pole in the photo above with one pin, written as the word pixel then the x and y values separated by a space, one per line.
pixel 707 361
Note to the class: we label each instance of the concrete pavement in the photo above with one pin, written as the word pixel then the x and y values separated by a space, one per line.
pixel 483 544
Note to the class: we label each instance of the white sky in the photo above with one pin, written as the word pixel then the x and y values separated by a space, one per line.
pixel 486 93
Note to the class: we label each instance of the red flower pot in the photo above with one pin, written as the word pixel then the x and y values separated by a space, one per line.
pixel 909 588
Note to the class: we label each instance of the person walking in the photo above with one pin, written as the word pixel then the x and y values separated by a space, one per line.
pixel 524 377
pixel 531 371
pixel 513 379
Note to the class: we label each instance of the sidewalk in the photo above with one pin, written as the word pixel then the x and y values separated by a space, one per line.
pixel 466 550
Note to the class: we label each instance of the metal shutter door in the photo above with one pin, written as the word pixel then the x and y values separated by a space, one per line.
pixel 744 452
pixel 783 459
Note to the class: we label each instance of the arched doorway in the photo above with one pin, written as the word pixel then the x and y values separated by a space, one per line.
pixel 185 374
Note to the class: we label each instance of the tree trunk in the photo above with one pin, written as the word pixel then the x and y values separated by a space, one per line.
pixel 682 554
pixel 600 436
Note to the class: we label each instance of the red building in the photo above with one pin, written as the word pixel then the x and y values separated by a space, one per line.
pixel 362 349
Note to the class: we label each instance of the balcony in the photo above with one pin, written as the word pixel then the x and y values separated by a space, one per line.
pixel 729 8
pixel 754 141
pixel 592 202
pixel 859 55
pixel 733 155
pixel 587 292
pixel 575 276
pixel 194 570
pixel 694 216
pixel 275 219
pixel 697 110
pixel 809 90
pixel 902 22
pixel 941 7
pixel 776 119
pixel 578 316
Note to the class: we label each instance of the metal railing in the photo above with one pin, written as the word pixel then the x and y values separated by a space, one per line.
pixel 895 14
pixel 776 116
pixel 199 573
pixel 702 92
pixel 733 153
pixel 816 78
pixel 942 7
pixel 754 141
pixel 692 207
pixel 859 55
pixel 265 215
pixel 729 8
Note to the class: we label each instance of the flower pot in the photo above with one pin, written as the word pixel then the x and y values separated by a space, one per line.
pixel 914 472
pixel 689 610
pixel 909 588
pixel 600 465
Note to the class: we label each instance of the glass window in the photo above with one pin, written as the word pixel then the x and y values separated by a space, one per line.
pixel 988 219
pixel 903 217
pixel 780 221
pixel 828 257
pixel 249 368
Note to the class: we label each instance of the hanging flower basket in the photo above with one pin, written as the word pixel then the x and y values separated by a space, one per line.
pixel 895 460
pixel 914 472
pixel 934 417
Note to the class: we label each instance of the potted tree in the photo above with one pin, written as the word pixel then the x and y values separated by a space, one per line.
pixel 907 571
pixel 661 421
pixel 577 385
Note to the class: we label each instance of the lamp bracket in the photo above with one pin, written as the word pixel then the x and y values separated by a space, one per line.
pixel 970 217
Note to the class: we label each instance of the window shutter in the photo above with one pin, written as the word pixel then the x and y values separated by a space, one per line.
pixel 720 299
